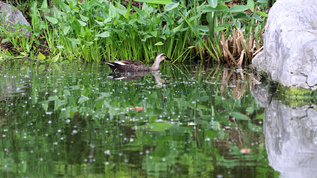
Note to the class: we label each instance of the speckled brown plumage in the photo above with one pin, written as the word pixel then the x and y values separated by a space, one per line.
pixel 129 67
pixel 134 66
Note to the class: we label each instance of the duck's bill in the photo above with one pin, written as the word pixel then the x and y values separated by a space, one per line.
pixel 168 59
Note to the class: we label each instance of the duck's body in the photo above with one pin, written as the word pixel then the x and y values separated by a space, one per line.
pixel 134 66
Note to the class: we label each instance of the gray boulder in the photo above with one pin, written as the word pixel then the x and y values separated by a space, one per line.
pixel 289 55
pixel 11 16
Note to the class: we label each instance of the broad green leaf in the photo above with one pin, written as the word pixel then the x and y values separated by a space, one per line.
pixel 44 7
pixel 5 40
pixel 34 9
pixel 202 28
pixel 120 33
pixel 155 1
pixel 65 113
pixel 74 42
pixel 107 20
pixel 104 34
pixel 242 15
pixel 200 106
pixel 254 127
pixel 238 8
pixel 159 43
pixel 171 6
pixel 55 58
pixel 52 98
pixel 128 10
pixel 213 3
pixel 82 23
pixel 250 4
pixel 121 9
pixel 44 4
pixel 176 29
pixel 250 110
pixel 260 116
pixel 221 27
pixel 99 23
pixel 58 103
pixel 220 7
pixel 57 12
pixel 257 17
pixel 203 98
pixel 262 1
pixel 239 116
pixel 83 18
pixel 52 19
pixel 64 7
pixel 194 17
pixel 215 125
pixel 158 126
pixel 261 13
pixel 45 105
pixel 146 8
pixel 66 30
pixel 41 56
pixel 139 11
pixel 112 11
pixel 146 37
pixel 154 33
pixel 83 99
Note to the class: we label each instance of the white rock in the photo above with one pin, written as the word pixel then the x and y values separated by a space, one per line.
pixel 289 55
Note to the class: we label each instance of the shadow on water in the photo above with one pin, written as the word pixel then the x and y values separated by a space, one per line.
pixel 75 120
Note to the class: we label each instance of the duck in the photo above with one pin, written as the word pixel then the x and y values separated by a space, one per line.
pixel 135 66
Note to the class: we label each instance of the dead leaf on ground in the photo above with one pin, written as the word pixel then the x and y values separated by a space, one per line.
pixel 138 108
pixel 245 150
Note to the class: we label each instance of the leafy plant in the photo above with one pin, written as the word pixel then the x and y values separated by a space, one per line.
pixel 101 30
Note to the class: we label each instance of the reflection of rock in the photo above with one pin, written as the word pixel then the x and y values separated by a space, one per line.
pixel 290 44
pixel 9 88
pixel 290 136
pixel 136 75
pixel 12 17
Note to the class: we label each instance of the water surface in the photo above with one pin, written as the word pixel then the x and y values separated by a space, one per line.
pixel 78 120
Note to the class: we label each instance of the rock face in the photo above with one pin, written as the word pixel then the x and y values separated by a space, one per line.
pixel 10 16
pixel 290 135
pixel 289 55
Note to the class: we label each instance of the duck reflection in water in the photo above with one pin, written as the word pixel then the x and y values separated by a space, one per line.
pixel 137 75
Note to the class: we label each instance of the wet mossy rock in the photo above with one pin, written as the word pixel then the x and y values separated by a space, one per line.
pixel 289 56
pixel 11 16
pixel 291 96
pixel 295 96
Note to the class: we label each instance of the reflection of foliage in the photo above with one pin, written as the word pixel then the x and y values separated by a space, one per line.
pixel 72 120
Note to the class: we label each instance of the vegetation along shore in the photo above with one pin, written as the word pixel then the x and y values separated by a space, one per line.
pixel 212 31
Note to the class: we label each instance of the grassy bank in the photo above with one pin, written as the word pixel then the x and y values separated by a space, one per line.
pixel 98 30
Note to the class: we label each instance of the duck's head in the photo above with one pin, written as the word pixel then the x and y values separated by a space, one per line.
pixel 160 57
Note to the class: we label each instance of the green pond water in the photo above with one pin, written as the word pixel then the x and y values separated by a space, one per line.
pixel 77 120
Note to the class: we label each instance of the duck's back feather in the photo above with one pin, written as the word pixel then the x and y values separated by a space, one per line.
pixel 127 66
